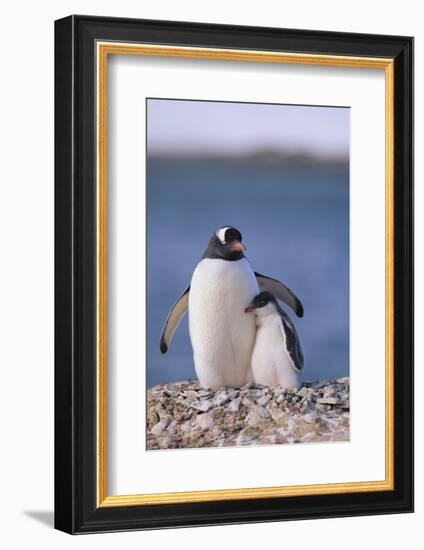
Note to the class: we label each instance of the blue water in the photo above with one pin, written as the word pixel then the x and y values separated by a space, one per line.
pixel 295 224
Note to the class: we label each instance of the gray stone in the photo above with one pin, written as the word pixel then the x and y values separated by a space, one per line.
pixel 221 398
pixel 260 411
pixel 201 405
pixel 330 392
pixel 328 401
pixel 278 416
pixel 191 395
pixel 234 405
pixel 205 420
pixel 308 406
pixel 303 392
pixel 203 394
pixel 262 401
pixel 160 426
pixel 246 435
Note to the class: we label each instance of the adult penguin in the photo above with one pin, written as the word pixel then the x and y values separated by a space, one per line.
pixel 222 336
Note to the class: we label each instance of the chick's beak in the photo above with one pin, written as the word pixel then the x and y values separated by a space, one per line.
pixel 249 309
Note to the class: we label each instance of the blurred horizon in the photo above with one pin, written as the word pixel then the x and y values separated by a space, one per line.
pixel 260 155
pixel 203 129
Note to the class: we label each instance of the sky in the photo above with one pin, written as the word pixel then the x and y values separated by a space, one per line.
pixel 196 127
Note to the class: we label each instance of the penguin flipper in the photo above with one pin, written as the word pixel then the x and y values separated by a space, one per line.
pixel 282 292
pixel 176 313
pixel 293 346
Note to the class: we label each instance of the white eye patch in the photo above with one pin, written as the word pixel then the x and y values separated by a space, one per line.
pixel 220 233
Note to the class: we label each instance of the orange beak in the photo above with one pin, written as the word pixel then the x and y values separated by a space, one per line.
pixel 236 245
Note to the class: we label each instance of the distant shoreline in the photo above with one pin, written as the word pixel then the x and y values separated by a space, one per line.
pixel 257 157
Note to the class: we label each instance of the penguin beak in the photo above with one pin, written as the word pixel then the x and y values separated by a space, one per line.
pixel 236 245
pixel 249 309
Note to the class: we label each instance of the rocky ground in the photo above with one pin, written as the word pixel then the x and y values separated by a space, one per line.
pixel 184 415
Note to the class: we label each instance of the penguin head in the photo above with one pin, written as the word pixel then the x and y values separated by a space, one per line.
pixel 265 303
pixel 225 244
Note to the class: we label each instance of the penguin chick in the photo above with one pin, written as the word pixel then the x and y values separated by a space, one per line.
pixel 277 357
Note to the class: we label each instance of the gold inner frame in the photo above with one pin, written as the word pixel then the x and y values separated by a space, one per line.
pixel 104 49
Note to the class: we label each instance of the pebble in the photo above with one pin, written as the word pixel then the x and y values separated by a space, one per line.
pixel 303 392
pixel 328 400
pixel 262 401
pixel 201 405
pixel 221 398
pixel 253 419
pixel 234 405
pixel 158 428
pixel 246 435
pixel 204 421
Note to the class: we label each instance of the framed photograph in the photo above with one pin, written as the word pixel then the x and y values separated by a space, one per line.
pixel 234 271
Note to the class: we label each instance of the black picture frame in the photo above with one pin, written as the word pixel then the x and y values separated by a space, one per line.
pixel 76 510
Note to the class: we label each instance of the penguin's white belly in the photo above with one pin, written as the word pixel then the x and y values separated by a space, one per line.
pixel 271 363
pixel 222 334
